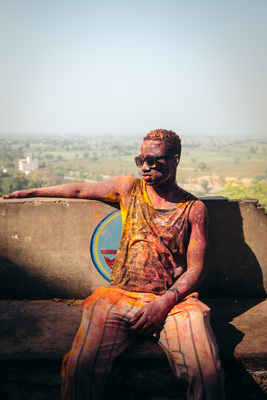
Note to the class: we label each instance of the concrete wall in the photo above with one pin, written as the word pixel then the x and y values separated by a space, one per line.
pixel 45 248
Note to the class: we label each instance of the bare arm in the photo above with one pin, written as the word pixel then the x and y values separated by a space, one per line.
pixel 116 189
pixel 196 251
pixel 150 317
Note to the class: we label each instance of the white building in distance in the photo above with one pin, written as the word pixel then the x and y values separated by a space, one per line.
pixel 28 165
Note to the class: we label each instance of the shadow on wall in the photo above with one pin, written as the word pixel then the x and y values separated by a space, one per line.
pixel 233 269
pixel 233 273
pixel 19 284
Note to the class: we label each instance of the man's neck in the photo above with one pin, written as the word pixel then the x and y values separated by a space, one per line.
pixel 164 196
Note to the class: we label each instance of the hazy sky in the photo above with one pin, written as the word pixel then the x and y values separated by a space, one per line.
pixel 128 66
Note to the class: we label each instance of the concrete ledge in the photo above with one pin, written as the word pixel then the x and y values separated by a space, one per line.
pixel 35 335
pixel 45 243
pixel 45 329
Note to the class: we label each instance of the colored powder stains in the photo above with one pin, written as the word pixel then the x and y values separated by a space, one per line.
pixel 155 242
pixel 193 243
pixel 96 210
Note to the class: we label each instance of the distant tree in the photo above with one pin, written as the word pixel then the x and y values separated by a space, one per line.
pixel 35 183
pixel 204 183
pixel 202 166
pixel 259 177
pixel 4 174
pixel 221 179
pixel 200 193
pixel 46 176
pixel 10 184
pixel 237 190
pixel 9 165
pixel 20 152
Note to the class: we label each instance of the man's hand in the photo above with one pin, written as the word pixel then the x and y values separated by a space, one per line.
pixel 150 317
pixel 18 194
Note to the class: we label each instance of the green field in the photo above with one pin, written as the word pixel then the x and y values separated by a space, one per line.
pixel 206 163
pixel 107 156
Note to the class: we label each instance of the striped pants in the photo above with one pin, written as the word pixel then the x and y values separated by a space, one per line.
pixel 104 333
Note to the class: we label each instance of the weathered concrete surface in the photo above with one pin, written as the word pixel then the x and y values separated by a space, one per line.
pixel 42 332
pixel 45 245
pixel 45 329
pixel 45 248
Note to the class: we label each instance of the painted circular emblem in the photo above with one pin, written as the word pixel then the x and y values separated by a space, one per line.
pixel 104 243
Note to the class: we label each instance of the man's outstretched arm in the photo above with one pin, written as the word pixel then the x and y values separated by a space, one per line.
pixel 150 317
pixel 113 190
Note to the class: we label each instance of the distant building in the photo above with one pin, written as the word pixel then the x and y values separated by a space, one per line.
pixel 28 165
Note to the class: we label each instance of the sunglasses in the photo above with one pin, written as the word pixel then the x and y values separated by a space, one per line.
pixel 150 160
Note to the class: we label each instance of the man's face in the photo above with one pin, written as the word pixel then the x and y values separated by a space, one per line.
pixel 163 170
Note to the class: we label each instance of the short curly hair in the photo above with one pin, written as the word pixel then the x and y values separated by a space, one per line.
pixel 170 138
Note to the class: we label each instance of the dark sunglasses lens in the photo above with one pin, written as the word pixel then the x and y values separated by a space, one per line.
pixel 139 161
pixel 150 161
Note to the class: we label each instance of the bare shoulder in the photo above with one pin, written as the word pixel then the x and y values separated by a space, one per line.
pixel 124 184
pixel 198 212
pixel 197 209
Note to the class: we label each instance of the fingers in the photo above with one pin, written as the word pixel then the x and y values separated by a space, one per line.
pixel 9 196
pixel 136 316
pixel 142 325
pixel 138 325
pixel 147 319
pixel 137 321
pixel 144 328
pixel 17 194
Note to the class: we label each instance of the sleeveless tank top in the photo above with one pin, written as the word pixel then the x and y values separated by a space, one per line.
pixel 152 250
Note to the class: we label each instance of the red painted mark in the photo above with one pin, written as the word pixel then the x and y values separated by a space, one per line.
pixel 108 260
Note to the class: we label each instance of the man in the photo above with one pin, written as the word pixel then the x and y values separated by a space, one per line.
pixel 159 263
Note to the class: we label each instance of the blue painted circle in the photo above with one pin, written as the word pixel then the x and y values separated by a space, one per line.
pixel 104 243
